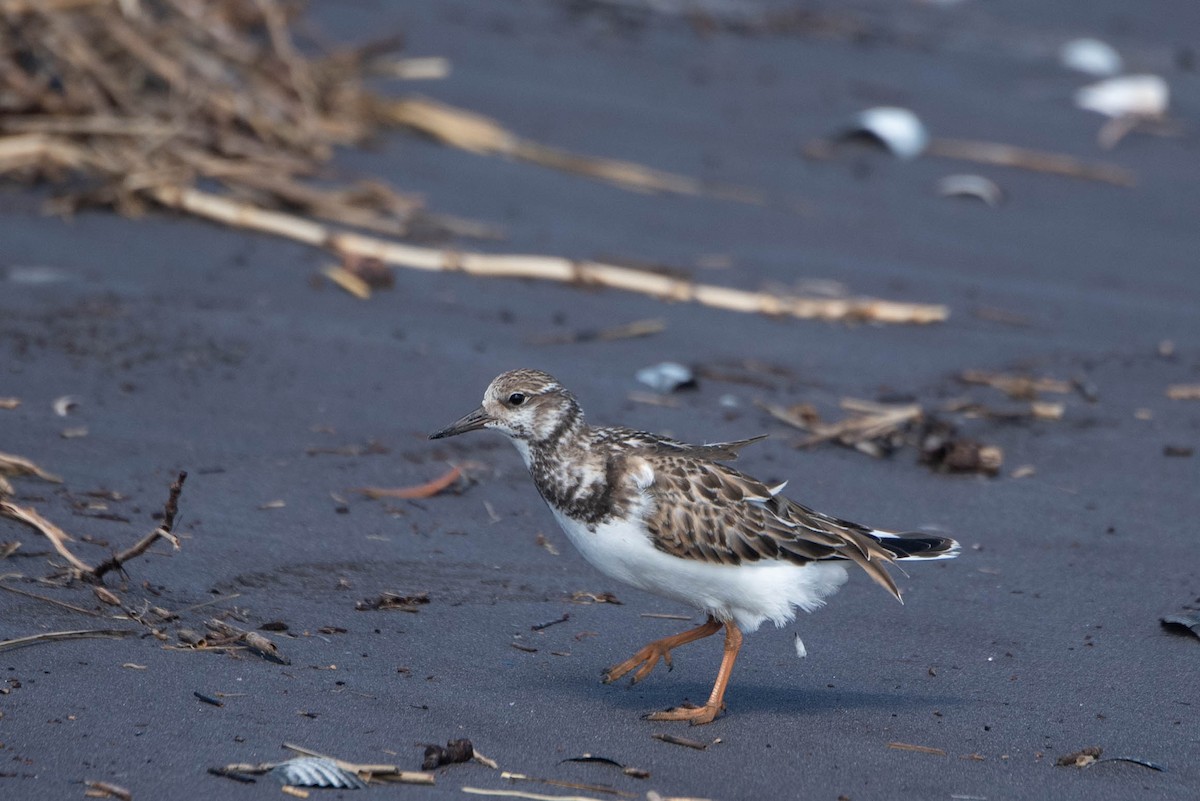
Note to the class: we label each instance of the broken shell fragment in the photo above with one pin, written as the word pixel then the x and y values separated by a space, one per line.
pixel 975 186
pixel 1091 56
pixel 1128 95
pixel 667 377
pixel 898 130
pixel 316 772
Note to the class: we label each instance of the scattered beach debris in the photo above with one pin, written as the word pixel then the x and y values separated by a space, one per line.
pixel 529 649
pixel 801 649
pixel 1081 758
pixel 389 601
pixel 944 450
pixel 637 773
pixel 64 405
pixel 1145 763
pixel 543 626
pixel 684 741
pixel 920 749
pixel 224 636
pixel 1182 623
pixel 667 377
pixel 973 186
pixel 634 330
pixel 1126 95
pixel 1184 392
pixel 208 699
pixel 99 789
pixel 454 752
pixel 543 542
pixel 584 597
pixel 308 771
pixel 1179 451
pixel 476 133
pixel 330 766
pixel 80 569
pixel 17 466
pixel 8 402
pixel 426 490
pixel 898 130
pixel 1091 56
pixel 595 788
pixel 877 429
pixel 53 636
pixel 7 549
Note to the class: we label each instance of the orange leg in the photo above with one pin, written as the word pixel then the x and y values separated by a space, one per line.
pixel 648 656
pixel 699 715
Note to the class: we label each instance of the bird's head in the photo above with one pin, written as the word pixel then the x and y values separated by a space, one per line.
pixel 525 404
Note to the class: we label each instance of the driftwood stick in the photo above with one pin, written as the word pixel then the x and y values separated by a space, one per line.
pixel 549 268
pixel 170 510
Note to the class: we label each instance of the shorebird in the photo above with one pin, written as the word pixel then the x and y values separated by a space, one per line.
pixel 669 518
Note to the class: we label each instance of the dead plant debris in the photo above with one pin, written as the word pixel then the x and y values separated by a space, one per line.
pixel 584 597
pixel 80 569
pixel 454 752
pixel 52 636
pixel 365 773
pixel 636 773
pixel 1184 392
pixel 920 749
pixel 393 601
pixel 226 636
pixel 1081 758
pixel 99 789
pixel 426 490
pixel 92 102
pixel 594 788
pixel 686 742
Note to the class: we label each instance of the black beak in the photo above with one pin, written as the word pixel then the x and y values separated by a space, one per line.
pixel 470 422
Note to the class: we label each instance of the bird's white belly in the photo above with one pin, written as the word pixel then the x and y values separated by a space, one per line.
pixel 748 594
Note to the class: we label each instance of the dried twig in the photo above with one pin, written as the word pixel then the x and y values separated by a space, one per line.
pixel 550 268
pixel 12 465
pixel 1000 154
pixel 170 510
pixel 51 636
pixel 53 601
pixel 426 490
pixel 921 749
pixel 58 538
pixel 521 794
pixel 1184 392
pixel 99 789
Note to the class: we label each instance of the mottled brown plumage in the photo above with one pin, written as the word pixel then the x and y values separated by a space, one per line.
pixel 669 517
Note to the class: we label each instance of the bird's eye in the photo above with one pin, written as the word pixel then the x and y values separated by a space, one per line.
pixel 516 399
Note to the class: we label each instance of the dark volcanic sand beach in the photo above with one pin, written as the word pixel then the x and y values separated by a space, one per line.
pixel 200 348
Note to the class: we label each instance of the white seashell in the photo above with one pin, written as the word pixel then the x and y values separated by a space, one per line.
pixel 666 377
pixel 1091 56
pixel 898 129
pixel 1137 95
pixel 801 651
pixel 975 186
pixel 316 772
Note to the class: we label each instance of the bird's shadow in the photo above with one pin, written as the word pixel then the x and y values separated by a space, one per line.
pixel 745 696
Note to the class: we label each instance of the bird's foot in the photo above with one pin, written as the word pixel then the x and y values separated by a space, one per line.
pixel 696 715
pixel 647 658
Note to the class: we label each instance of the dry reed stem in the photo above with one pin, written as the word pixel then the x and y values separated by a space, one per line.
pixel 550 268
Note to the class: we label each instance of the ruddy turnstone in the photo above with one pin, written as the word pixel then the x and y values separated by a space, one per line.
pixel 669 518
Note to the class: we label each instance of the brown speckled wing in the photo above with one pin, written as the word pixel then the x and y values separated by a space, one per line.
pixel 665 446
pixel 712 513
